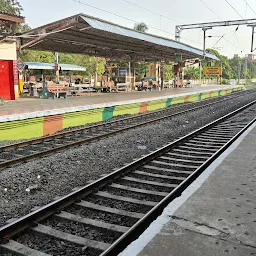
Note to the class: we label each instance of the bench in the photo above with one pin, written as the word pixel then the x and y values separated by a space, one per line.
pixel 168 84
pixel 53 90
pixel 110 86
pixel 57 90
pixel 122 87
pixel 77 89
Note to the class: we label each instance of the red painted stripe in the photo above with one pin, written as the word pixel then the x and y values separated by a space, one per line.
pixel 52 124
pixel 186 99
pixel 143 107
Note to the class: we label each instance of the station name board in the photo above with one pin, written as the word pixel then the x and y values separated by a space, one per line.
pixel 212 71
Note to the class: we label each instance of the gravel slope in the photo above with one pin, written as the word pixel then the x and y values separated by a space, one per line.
pixel 58 174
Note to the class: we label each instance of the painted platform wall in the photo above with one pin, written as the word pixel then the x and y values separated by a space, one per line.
pixel 40 126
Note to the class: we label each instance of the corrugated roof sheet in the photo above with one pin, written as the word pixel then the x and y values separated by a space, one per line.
pixel 50 66
pixel 115 29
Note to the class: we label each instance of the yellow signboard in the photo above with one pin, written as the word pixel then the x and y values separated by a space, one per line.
pixel 212 71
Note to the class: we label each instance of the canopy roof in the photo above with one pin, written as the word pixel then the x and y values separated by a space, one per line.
pixel 50 66
pixel 84 34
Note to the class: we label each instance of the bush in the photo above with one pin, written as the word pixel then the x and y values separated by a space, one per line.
pixel 225 81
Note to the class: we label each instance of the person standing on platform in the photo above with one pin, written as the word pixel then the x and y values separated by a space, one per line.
pixel 174 80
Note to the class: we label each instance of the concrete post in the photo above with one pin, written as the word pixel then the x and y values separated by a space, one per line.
pixel 57 65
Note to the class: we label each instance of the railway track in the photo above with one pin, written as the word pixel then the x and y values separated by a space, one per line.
pixel 103 217
pixel 23 151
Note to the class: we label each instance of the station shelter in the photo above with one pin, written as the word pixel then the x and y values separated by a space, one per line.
pixel 84 34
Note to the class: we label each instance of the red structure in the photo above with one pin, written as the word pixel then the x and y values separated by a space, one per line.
pixel 9 84
pixel 8 77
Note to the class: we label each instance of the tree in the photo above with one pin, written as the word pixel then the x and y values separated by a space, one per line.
pixel 192 72
pixel 141 70
pixel 37 56
pixel 227 71
pixel 142 27
pixel 168 72
pixel 24 28
pixel 10 7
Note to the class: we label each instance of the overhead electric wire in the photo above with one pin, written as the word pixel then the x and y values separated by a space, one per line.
pixel 117 15
pixel 229 41
pixel 218 40
pixel 234 8
pixel 146 9
pixel 158 14
pixel 250 7
pixel 237 11
pixel 238 47
pixel 211 9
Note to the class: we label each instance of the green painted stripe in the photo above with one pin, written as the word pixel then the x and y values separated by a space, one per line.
pixel 200 96
pixel 169 102
pixel 108 113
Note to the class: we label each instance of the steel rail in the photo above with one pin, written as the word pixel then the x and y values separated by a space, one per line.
pixel 134 232
pixel 93 138
pixel 33 218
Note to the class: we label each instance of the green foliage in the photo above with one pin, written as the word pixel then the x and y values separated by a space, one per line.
pixel 168 72
pixel 192 72
pixel 235 67
pixel 10 7
pixel 227 71
pixel 24 28
pixel 141 70
pixel 225 81
pixel 37 56
pixel 143 27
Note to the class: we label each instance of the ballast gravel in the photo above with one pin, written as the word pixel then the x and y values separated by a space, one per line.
pixel 37 182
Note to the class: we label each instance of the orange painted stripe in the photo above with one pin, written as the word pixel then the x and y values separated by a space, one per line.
pixel 52 124
pixel 186 99
pixel 143 107
pixel 210 94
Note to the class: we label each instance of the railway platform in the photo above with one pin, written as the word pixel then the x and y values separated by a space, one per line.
pixel 32 117
pixel 215 215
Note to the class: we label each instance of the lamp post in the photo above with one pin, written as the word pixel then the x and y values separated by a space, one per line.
pixel 205 29
pixel 56 55
pixel 200 63
pixel 200 72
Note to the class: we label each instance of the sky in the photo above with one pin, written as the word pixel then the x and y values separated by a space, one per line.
pixel 161 16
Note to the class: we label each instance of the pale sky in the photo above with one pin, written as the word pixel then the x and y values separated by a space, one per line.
pixel 161 16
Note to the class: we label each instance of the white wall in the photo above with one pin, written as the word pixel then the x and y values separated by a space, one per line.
pixel 8 51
